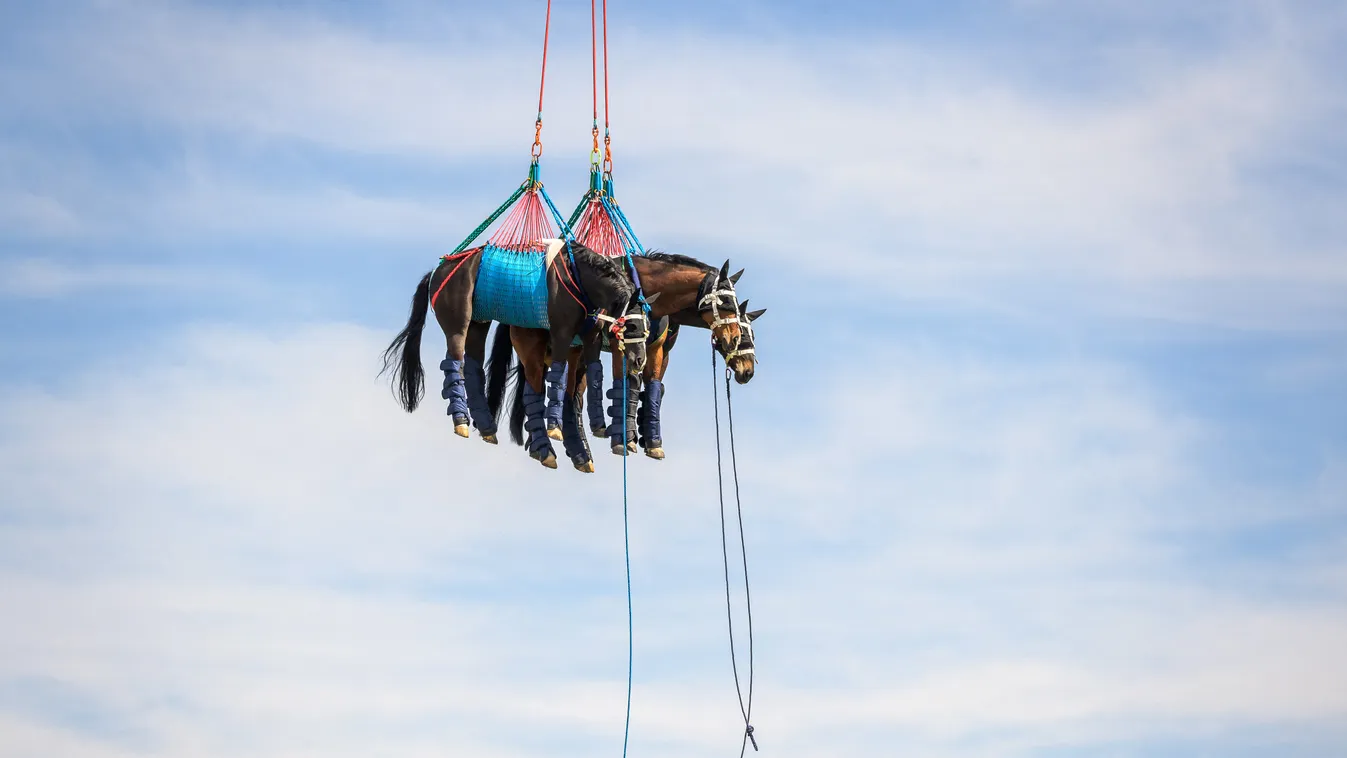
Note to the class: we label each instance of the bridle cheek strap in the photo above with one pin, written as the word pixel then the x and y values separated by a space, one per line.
pixel 747 338
pixel 618 327
pixel 711 301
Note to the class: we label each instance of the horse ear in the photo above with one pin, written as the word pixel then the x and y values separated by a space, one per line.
pixel 743 305
pixel 755 314
pixel 725 270
pixel 735 279
pixel 650 299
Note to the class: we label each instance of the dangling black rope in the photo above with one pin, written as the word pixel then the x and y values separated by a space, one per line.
pixel 745 707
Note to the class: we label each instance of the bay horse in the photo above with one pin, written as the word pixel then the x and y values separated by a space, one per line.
pixel 696 293
pixel 741 361
pixel 581 286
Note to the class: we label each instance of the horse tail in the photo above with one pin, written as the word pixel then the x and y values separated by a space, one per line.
pixel 517 407
pixel 498 370
pixel 403 354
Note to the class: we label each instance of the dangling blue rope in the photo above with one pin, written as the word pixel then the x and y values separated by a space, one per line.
pixel 626 549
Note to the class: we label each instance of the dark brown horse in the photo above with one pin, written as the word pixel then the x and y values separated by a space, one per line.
pixel 689 291
pixel 581 286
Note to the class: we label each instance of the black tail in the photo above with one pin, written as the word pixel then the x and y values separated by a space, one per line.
pixel 517 407
pixel 403 354
pixel 498 370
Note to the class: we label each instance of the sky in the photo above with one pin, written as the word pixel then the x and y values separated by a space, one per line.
pixel 1045 455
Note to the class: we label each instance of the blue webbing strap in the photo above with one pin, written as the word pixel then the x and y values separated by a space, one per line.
pixel 564 227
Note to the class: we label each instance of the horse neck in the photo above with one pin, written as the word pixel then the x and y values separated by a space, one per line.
pixel 601 293
pixel 677 285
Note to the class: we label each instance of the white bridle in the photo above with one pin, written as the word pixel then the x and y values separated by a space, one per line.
pixel 618 328
pixel 746 328
pixel 712 301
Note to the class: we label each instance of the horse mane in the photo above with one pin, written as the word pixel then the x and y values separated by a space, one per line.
pixel 606 268
pixel 677 260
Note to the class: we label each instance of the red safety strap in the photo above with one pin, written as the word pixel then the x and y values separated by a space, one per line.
pixel 464 255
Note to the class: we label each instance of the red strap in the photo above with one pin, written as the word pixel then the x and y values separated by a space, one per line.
pixel 464 255
pixel 537 149
pixel 572 288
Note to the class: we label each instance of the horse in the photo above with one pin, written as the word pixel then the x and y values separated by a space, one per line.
pixel 580 286
pixel 693 292
pixel 741 361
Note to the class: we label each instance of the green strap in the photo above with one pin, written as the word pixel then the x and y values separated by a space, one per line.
pixel 489 219
pixel 575 215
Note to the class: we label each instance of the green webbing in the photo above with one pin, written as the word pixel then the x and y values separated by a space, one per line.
pixel 575 215
pixel 495 215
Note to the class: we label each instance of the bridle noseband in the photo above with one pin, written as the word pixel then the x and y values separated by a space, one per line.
pixel 746 338
pixel 618 328
pixel 711 301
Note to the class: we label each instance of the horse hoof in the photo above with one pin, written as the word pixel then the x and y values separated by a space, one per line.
pixel 554 433
pixel 599 431
pixel 584 467
pixel 632 447
pixel 490 439
pixel 461 430
pixel 618 449
pixel 550 461
pixel 655 452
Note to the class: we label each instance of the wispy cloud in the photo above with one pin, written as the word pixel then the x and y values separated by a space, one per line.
pixel 933 163
pixel 257 505
pixel 1000 502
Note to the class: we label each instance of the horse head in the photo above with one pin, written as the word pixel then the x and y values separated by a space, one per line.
pixel 743 358
pixel 719 308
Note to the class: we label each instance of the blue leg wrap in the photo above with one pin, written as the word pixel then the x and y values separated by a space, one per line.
pixel 539 445
pixel 556 388
pixel 572 435
pixel 647 419
pixel 474 381
pixel 594 397
pixel 615 411
pixel 453 390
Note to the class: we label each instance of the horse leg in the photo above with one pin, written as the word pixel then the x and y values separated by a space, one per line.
pixel 556 392
pixel 559 342
pixel 647 417
pixel 623 414
pixel 453 311
pixel 531 352
pixel 572 431
pixel 474 381
pixel 594 386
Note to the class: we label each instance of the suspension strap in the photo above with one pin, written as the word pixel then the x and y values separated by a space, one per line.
pixel 537 150
pixel 570 280
pixel 745 704
pixel 594 154
pixel 607 140
pixel 626 551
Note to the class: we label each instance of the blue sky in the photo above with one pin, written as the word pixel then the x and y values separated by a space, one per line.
pixel 1045 455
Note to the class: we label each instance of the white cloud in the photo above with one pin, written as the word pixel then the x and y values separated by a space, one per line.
pixel 45 278
pixel 905 159
pixel 235 542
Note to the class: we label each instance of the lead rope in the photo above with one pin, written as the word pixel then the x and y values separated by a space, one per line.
pixel 746 709
pixel 626 549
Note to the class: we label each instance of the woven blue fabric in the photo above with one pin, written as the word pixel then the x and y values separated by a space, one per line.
pixel 511 288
